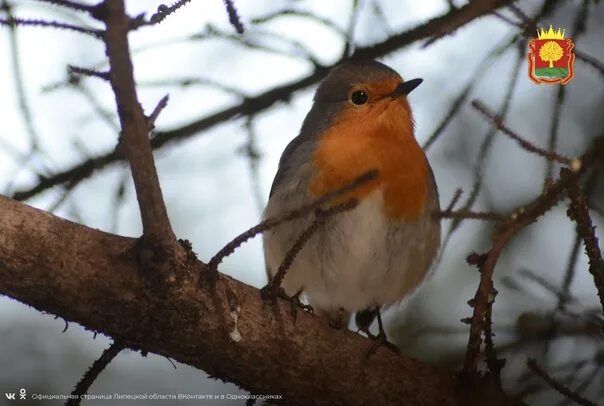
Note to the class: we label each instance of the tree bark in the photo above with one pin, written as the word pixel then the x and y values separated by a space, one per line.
pixel 92 278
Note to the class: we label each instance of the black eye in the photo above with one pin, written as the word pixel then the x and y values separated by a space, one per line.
pixel 359 97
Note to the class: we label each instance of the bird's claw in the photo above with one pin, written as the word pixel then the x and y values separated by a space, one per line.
pixel 380 340
pixel 270 293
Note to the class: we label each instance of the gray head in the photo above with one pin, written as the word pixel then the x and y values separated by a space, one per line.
pixel 368 75
pixel 357 86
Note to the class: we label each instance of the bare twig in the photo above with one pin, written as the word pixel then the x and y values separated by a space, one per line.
pixel 90 376
pixel 321 217
pixel 483 67
pixel 299 13
pixel 564 294
pixel 212 266
pixel 349 39
pixel 569 393
pixel 15 57
pixel 249 106
pixel 464 15
pixel 590 60
pixel 234 16
pixel 553 132
pixel 578 28
pixel 250 150
pixel 467 214
pixel 164 11
pixel 24 22
pixel 191 81
pixel 73 5
pixel 163 102
pixel 529 25
pixel 578 211
pixel 487 143
pixel 454 199
pixel 527 145
pixel 77 70
pixel 517 222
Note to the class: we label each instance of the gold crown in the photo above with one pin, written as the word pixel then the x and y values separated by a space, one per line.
pixel 550 34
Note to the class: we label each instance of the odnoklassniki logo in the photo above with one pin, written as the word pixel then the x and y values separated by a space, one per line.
pixel 551 58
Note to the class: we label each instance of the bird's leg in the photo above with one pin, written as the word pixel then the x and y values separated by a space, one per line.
pixel 270 292
pixel 364 320
pixel 296 303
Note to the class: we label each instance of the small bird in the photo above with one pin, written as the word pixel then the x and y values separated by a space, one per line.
pixel 378 253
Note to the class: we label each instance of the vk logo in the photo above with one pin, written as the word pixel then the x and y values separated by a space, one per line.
pixel 12 396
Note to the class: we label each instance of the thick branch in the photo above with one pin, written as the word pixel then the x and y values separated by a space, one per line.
pixel 92 278
pixel 135 127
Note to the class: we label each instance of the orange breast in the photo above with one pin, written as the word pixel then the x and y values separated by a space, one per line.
pixel 381 138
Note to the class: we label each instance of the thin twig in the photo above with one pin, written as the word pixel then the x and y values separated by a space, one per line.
pixel 564 297
pixel 250 150
pixel 530 26
pixel 234 16
pixel 299 13
pixel 250 105
pixel 77 70
pixel 569 393
pixel 465 14
pixel 471 215
pixel 93 372
pixel 454 199
pixel 163 102
pixel 553 132
pixel 483 68
pixel 15 57
pixel 527 145
pixel 578 211
pixel 487 143
pixel 190 81
pixel 578 29
pixel 228 249
pixel 69 4
pixel 564 294
pixel 349 39
pixel 24 22
pixel 320 219
pixel 517 222
pixel 164 11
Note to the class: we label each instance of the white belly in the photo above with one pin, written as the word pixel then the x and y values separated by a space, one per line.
pixel 358 259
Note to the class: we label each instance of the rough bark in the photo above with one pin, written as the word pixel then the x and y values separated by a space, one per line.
pixel 92 278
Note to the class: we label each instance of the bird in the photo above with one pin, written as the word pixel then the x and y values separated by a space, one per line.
pixel 378 253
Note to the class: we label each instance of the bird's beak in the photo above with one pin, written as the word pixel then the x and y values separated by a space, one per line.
pixel 405 87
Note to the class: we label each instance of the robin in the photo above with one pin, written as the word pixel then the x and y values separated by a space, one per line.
pixel 378 253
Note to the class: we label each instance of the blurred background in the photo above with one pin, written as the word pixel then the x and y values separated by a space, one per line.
pixel 216 181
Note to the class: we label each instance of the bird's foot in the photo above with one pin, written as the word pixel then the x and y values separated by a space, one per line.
pixel 380 339
pixel 270 293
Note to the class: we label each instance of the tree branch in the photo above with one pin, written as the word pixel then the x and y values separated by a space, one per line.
pixel 91 277
pixel 517 222
pixel 263 101
pixel 135 127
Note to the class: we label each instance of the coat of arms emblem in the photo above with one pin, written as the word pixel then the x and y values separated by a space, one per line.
pixel 551 59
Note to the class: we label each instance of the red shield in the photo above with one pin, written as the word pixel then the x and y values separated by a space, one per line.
pixel 551 61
